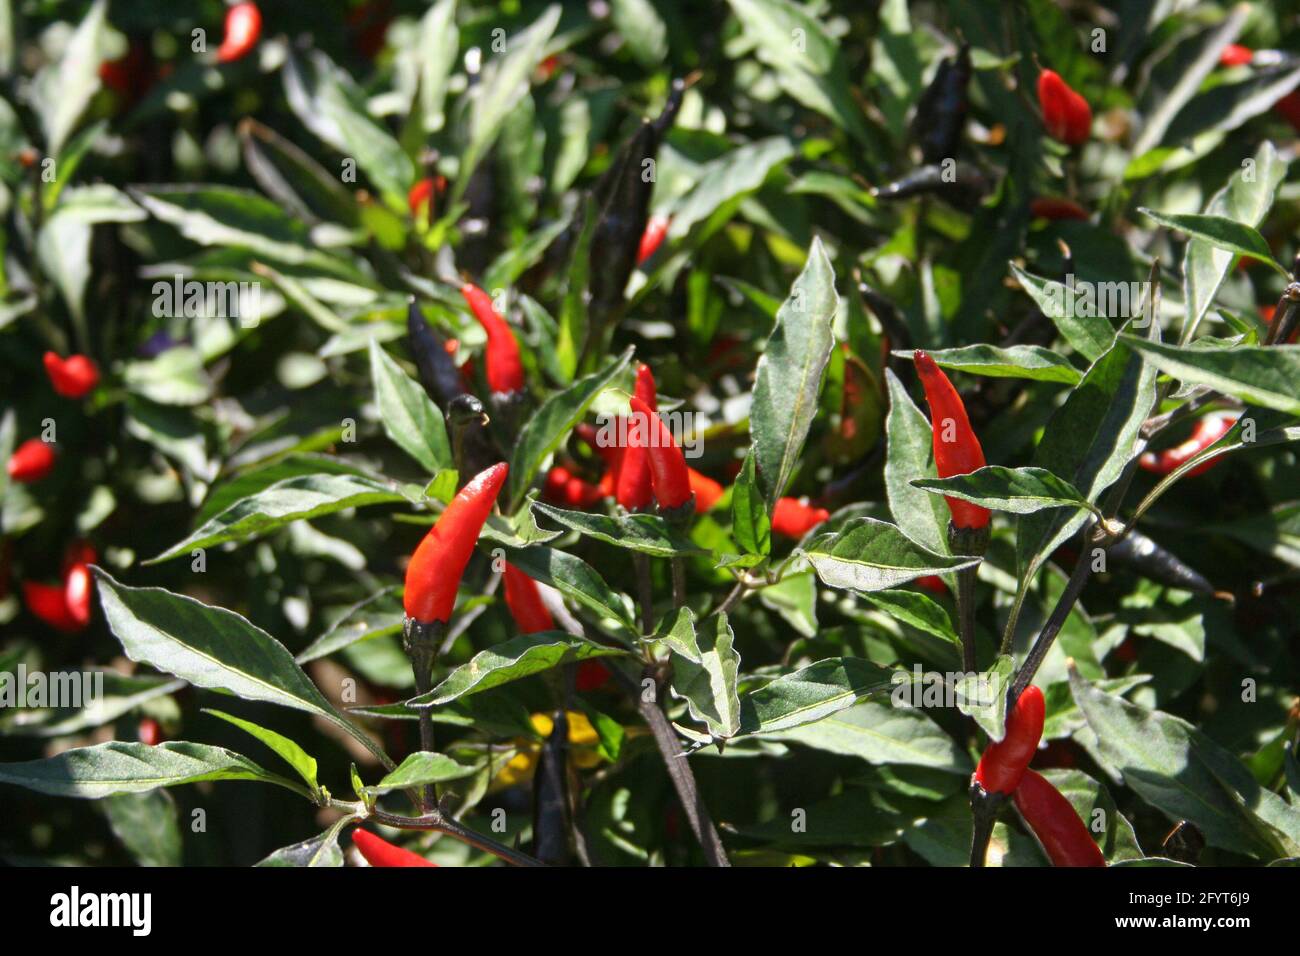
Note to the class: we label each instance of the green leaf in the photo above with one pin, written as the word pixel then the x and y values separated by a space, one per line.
pixel 299 498
pixel 320 850
pixel 1019 361
pixel 1184 774
pixel 1017 490
pixel 871 555
pixel 574 578
pixel 1263 375
pixel 648 534
pixel 574 329
pixel 881 733
pixel 811 693
pixel 438 44
pixel 63 89
pixel 1243 199
pixel 1089 335
pixel 423 768
pixel 910 454
pixel 916 610
pixel 544 432
pixel 297 758
pixel 513 660
pixel 214 648
pixel 1088 441
pixel 504 81
pixel 118 695
pixel 147 826
pixel 983 697
pixel 789 374
pixel 705 670
pixel 333 107
pixel 221 216
pixel 117 767
pixel 750 524
pixel 410 418
pixel 639 23
pixel 1220 232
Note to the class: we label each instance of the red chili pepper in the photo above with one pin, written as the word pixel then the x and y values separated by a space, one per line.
pixel 653 237
pixel 379 852
pixel 707 491
pixel 72 377
pixel 79 552
pixel 956 449
pixel 1066 114
pixel 1234 54
pixel 592 675
pixel 149 732
pixel 932 583
pixel 47 601
pixel 525 602
pixel 505 371
pixel 668 473
pixel 243 27
pixel 1288 107
pixel 434 573
pixel 31 461
pixel 1052 818
pixel 78 592
pixel 633 481
pixel 1003 763
pixel 1207 431
pixel 1055 209
pixel 794 518
pixel 420 197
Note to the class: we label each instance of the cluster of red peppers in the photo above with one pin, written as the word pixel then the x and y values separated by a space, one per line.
pixel 1004 769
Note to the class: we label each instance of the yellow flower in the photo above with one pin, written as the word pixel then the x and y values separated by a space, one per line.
pixel 583 748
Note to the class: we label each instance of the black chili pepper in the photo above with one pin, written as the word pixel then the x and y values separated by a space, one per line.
pixel 941 111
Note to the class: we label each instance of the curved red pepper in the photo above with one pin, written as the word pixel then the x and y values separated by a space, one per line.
pixel 707 491
pixel 31 461
pixel 1207 431
pixel 434 573
pixel 1288 107
pixel 632 483
pixel 1234 54
pixel 48 602
pixel 72 377
pixel 1058 828
pixel 379 852
pixel 592 675
pixel 1055 209
pixel 960 455
pixel 1066 114
pixel 420 197
pixel 525 602
pixel 505 371
pixel 653 237
pixel 243 27
pixel 794 518
pixel 668 473
pixel 1003 764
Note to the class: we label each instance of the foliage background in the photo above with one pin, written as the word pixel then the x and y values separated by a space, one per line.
pixel 772 152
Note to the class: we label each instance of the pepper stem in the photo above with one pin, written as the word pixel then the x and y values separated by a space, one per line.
pixel 984 814
pixel 420 641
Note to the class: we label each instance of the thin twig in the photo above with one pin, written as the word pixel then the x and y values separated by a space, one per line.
pixel 458 831
pixel 966 578
pixel 679 770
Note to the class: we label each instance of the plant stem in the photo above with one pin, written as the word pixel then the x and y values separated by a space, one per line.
pixel 966 578
pixel 679 769
pixel 434 820
pixel 984 814
pixel 1046 637
pixel 420 642
pixel 679 582
pixel 645 591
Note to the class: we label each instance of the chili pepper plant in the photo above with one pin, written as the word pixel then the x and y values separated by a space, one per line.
pixel 649 433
